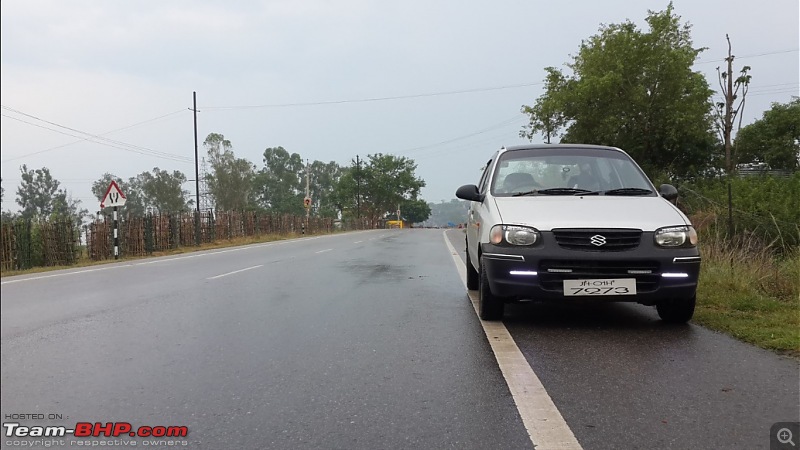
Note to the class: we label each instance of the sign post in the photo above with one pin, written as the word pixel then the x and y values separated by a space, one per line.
pixel 114 197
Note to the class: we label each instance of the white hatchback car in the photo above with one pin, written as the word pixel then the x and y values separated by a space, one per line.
pixel 577 222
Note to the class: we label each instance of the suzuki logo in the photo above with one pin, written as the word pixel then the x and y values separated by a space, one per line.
pixel 598 240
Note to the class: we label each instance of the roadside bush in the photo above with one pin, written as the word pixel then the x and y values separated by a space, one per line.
pixel 766 210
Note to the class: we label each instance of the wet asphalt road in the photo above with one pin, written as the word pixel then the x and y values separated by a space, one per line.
pixel 364 340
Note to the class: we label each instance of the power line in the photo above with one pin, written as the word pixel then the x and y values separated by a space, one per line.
pixel 502 124
pixel 91 137
pixel 174 158
pixel 372 99
pixel 756 55
pixel 789 91
pixel 88 139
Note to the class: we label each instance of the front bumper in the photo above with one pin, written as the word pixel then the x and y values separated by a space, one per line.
pixel 538 272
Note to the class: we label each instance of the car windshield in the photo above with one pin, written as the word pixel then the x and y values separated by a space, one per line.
pixel 568 172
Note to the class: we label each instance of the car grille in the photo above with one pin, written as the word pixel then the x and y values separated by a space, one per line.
pixel 598 240
pixel 552 273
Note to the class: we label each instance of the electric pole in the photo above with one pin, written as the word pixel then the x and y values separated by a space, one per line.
pixel 196 163
pixel 358 190
pixel 308 192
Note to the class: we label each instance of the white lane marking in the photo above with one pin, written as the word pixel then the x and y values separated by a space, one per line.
pixel 197 255
pixel 544 423
pixel 357 242
pixel 235 271
pixel 64 274
pixel 323 251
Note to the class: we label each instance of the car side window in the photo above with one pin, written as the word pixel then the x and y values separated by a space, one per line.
pixel 484 178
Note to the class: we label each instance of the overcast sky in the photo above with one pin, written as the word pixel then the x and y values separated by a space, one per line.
pixel 441 82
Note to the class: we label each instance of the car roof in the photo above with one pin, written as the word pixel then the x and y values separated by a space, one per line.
pixel 557 146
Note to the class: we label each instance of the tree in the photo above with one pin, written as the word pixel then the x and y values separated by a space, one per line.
pixel 636 90
pixel 386 181
pixel 36 192
pixel 67 208
pixel 230 182
pixel 774 139
pixel 415 211
pixel 164 191
pixel 278 183
pixel 323 180
pixel 726 111
pixel 545 115
pixel 134 201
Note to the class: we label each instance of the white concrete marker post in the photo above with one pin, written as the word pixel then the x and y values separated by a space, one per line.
pixel 114 197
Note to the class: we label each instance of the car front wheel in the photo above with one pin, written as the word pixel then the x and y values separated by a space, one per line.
pixel 490 307
pixel 676 310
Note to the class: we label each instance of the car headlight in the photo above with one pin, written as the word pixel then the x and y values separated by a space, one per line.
pixel 682 236
pixel 513 234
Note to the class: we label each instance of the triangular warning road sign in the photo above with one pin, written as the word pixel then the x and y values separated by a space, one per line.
pixel 113 197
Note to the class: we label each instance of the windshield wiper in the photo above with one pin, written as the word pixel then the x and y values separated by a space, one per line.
pixel 554 191
pixel 566 191
pixel 628 191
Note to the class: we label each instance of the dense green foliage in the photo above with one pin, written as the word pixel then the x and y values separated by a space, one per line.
pixel 40 198
pixel 766 209
pixel 230 181
pixel 377 186
pixel 635 90
pixel 36 192
pixel 774 139
pixel 280 184
pixel 415 211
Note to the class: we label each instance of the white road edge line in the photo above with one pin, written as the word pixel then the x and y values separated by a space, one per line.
pixel 235 271
pixel 323 251
pixel 546 427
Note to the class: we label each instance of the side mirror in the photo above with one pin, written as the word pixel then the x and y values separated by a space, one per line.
pixel 669 192
pixel 469 192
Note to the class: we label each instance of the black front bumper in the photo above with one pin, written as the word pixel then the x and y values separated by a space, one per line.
pixel 538 272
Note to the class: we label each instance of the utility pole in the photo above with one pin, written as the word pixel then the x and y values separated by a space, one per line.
pixel 358 190
pixel 308 192
pixel 196 162
pixel 197 236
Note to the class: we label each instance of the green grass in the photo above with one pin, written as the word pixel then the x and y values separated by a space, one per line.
pixel 751 295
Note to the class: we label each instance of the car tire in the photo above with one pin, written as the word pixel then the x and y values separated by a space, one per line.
pixel 490 307
pixel 677 310
pixel 473 277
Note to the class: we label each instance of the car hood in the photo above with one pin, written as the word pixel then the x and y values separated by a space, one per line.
pixel 591 211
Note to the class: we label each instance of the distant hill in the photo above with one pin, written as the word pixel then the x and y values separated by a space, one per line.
pixel 454 212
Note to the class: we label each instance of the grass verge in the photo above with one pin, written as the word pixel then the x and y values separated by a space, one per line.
pixel 750 294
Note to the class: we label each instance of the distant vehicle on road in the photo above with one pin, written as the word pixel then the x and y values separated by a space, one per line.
pixel 577 222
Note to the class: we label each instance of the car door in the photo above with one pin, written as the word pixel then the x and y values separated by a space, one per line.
pixel 476 213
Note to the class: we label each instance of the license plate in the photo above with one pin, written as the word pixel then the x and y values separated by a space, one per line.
pixel 598 287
